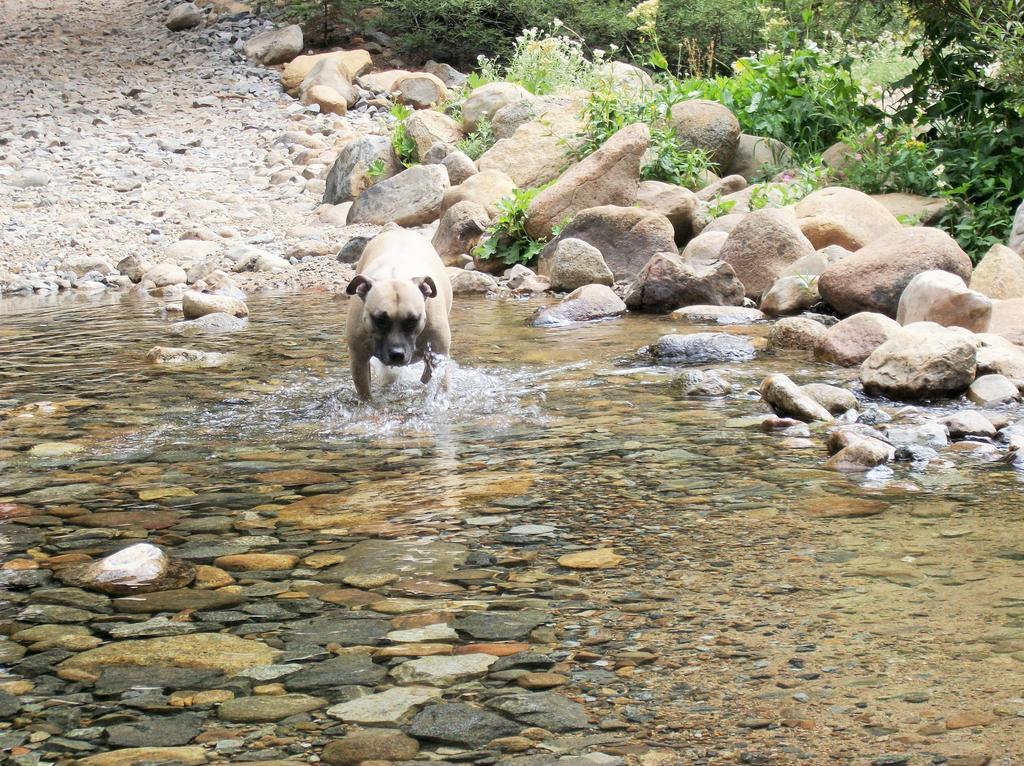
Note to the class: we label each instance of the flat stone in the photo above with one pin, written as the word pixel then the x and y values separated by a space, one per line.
pixel 443 671
pixel 165 731
pixel 340 629
pixel 501 626
pixel 178 600
pixel 438 632
pixel 268 708
pixel 387 707
pixel 345 670
pixel 145 756
pixel 360 746
pixel 404 558
pixel 458 723
pixel 215 651
pixel 601 558
pixel 119 679
pixel 547 710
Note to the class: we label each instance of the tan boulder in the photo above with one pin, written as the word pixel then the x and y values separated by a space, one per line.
pixel 485 101
pixel 484 188
pixel 943 298
pixel 421 90
pixel 588 303
pixel 787 398
pixel 427 127
pixel 708 125
pixel 575 263
pixel 1008 320
pixel 327 98
pixel 851 341
pixel 755 153
pixel 327 73
pixel 761 246
pixel 1000 274
pixel 920 361
pixel 913 209
pixel 627 237
pixel 195 304
pixel 460 230
pixel 609 176
pixel 411 198
pixel 705 247
pixel 668 282
pixel 874 277
pixel 796 333
pixel 355 63
pixel 538 151
pixel 790 295
pixel 998 356
pixel 385 81
pixel 677 204
pixel 275 46
pixel 845 217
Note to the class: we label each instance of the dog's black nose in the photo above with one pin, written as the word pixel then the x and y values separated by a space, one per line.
pixel 396 356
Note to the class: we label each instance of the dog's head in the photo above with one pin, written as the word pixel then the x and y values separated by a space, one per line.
pixel 394 314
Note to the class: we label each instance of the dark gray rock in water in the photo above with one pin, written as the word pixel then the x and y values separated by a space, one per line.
pixel 340 629
pixel 119 679
pixel 9 705
pixel 702 347
pixel 460 724
pixel 547 710
pixel 346 670
pixel 352 250
pixel 168 731
pixel 501 626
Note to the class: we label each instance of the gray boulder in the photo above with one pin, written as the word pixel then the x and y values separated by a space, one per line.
pixel 350 174
pixel 411 198
pixel 668 282
pixel 276 46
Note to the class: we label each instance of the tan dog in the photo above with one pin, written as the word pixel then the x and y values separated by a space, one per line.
pixel 399 308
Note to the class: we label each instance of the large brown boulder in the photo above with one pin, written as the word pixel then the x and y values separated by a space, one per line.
pixel 355 62
pixel 575 263
pixel 327 73
pixel 708 125
pixel 588 303
pixel 874 277
pixel 485 188
pixel 755 153
pixel 275 46
pixel 427 127
pixel 761 246
pixel 921 361
pixel 1008 320
pixel 667 282
pixel 485 101
pixel 538 151
pixel 851 341
pixel 943 298
pixel 421 90
pixel 705 247
pixel 844 217
pixel 627 237
pixel 460 230
pixel 411 198
pixel 677 204
pixel 609 176
pixel 1000 274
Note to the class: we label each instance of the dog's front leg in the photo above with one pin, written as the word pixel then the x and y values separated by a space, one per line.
pixel 361 377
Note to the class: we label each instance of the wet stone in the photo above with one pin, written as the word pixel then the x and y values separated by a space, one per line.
pixel 9 705
pixel 501 626
pixel 389 706
pixel 346 670
pixel 547 710
pixel 156 732
pixel 270 708
pixel 340 629
pixel 116 680
pixel 459 723
pixel 400 558
pixel 177 600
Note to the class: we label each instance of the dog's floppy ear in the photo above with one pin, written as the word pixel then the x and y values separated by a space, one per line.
pixel 360 286
pixel 426 286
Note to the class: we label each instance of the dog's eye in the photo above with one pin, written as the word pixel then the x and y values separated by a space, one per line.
pixel 382 320
pixel 409 323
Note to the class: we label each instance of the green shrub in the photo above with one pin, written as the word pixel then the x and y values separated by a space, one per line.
pixel 695 33
pixel 479 141
pixel 892 159
pixel 506 238
pixel 673 165
pixel 792 95
pixel 542 63
pixel 401 141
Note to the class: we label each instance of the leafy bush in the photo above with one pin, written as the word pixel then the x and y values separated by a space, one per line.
pixel 892 159
pixel 506 238
pixel 479 141
pixel 687 31
pixel 403 143
pixel 542 63
pixel 792 95
pixel 673 165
